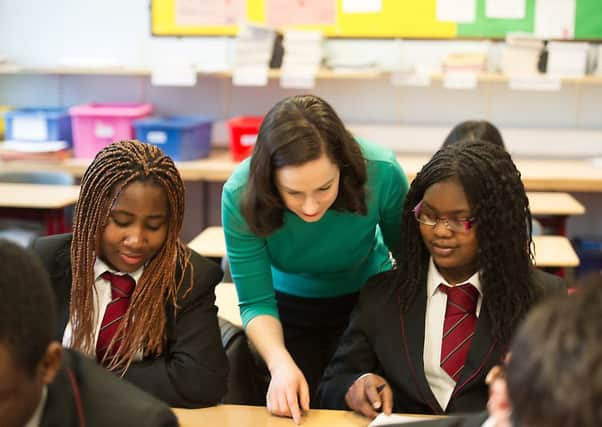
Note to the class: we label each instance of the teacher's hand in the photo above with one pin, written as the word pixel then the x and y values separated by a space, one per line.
pixel 288 393
pixel 369 395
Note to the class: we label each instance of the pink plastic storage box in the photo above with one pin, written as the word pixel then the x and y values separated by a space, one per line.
pixel 97 125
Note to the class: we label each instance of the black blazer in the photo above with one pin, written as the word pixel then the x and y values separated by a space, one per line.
pixel 383 340
pixel 193 369
pixel 84 394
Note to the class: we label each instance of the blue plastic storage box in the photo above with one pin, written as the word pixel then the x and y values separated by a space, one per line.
pixel 589 251
pixel 38 125
pixel 180 137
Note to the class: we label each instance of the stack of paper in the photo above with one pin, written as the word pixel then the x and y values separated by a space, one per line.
pixel 567 59
pixel 254 45
pixel 521 55
pixel 465 62
pixel 303 53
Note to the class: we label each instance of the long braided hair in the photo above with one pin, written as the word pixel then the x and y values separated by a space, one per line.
pixel 113 168
pixel 499 204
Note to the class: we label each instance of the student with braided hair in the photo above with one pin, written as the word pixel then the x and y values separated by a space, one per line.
pixel 129 292
pixel 423 336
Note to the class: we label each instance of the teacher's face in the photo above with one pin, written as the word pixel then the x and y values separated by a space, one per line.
pixel 308 190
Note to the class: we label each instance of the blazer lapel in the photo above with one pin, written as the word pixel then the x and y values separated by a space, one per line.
pixel 481 350
pixel 412 331
pixel 60 408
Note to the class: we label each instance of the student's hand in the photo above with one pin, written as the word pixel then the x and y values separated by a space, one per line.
pixel 288 393
pixel 369 395
pixel 498 404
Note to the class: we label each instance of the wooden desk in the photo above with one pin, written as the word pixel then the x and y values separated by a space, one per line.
pixel 38 201
pixel 552 210
pixel 550 252
pixel 258 416
pixel 554 252
pixel 561 204
pixel 226 300
pixel 210 243
pixel 537 174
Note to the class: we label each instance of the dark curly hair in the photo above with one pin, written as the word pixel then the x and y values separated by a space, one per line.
pixel 555 373
pixel 498 202
pixel 295 131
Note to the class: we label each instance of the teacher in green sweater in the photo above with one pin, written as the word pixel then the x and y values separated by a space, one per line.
pixel 308 218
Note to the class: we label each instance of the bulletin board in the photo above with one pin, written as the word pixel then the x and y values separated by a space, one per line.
pixel 395 19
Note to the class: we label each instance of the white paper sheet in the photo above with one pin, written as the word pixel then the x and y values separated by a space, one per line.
pixel 362 6
pixel 456 10
pixel 385 420
pixel 505 9
pixel 555 18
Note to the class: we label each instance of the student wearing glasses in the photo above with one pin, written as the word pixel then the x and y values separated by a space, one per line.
pixel 423 336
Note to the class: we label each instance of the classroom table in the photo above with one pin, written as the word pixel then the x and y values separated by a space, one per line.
pixel 537 174
pixel 553 209
pixel 551 252
pixel 41 202
pixel 258 416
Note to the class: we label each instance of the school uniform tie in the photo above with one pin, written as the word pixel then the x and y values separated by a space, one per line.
pixel 458 327
pixel 122 287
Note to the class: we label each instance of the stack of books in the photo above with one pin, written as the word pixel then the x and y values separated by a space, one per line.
pixel 521 55
pixel 303 53
pixel 254 45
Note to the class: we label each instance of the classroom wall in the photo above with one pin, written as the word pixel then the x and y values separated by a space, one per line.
pixel 40 33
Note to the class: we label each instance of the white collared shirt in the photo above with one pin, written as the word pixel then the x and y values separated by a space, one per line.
pixel 36 417
pixel 102 298
pixel 442 385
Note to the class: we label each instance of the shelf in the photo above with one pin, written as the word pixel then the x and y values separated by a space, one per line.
pixel 323 74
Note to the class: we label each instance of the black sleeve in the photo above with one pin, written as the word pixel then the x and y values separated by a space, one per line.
pixel 354 356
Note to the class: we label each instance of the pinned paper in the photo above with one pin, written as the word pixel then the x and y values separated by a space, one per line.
pixel 456 10
pixel 195 13
pixel 460 80
pixel 298 77
pixel 250 76
pixel 535 83
pixel 505 9
pixel 417 79
pixel 555 19
pixel 284 13
pixel 173 76
pixel 362 6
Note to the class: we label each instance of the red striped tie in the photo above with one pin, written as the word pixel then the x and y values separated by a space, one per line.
pixel 121 291
pixel 458 327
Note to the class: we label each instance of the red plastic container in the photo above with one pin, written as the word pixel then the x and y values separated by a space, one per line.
pixel 243 134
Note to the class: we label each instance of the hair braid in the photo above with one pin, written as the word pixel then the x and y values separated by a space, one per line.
pixel 113 168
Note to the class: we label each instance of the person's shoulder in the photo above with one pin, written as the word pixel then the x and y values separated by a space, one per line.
pixel 546 283
pixel 376 153
pixel 109 399
pixel 381 285
pixel 205 274
pixel 52 249
pixel 238 179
